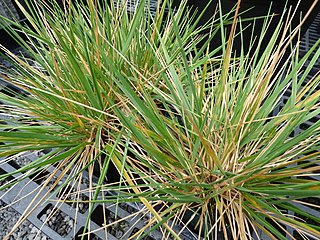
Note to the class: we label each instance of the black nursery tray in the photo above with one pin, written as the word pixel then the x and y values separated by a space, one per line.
pixel 57 220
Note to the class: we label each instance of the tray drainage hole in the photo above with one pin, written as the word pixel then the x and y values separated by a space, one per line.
pixel 314 119
pixel 2 122
pixel 20 160
pixel 135 230
pixel 11 91
pixel 102 216
pixel 57 220
pixel 90 236
pixel 14 164
pixel 304 126
pixel 280 228
pixel 128 208
pixel 307 219
pixel 39 177
pixel 7 179
pixel 10 130
pixel 297 236
pixel 311 202
pixel 78 201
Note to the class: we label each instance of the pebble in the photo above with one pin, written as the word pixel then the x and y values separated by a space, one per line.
pixel 34 230
pixel 80 206
pixel 31 236
pixel 119 234
pixel 43 217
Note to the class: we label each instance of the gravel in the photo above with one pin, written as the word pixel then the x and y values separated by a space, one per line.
pixel 57 220
pixel 81 206
pixel 26 231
